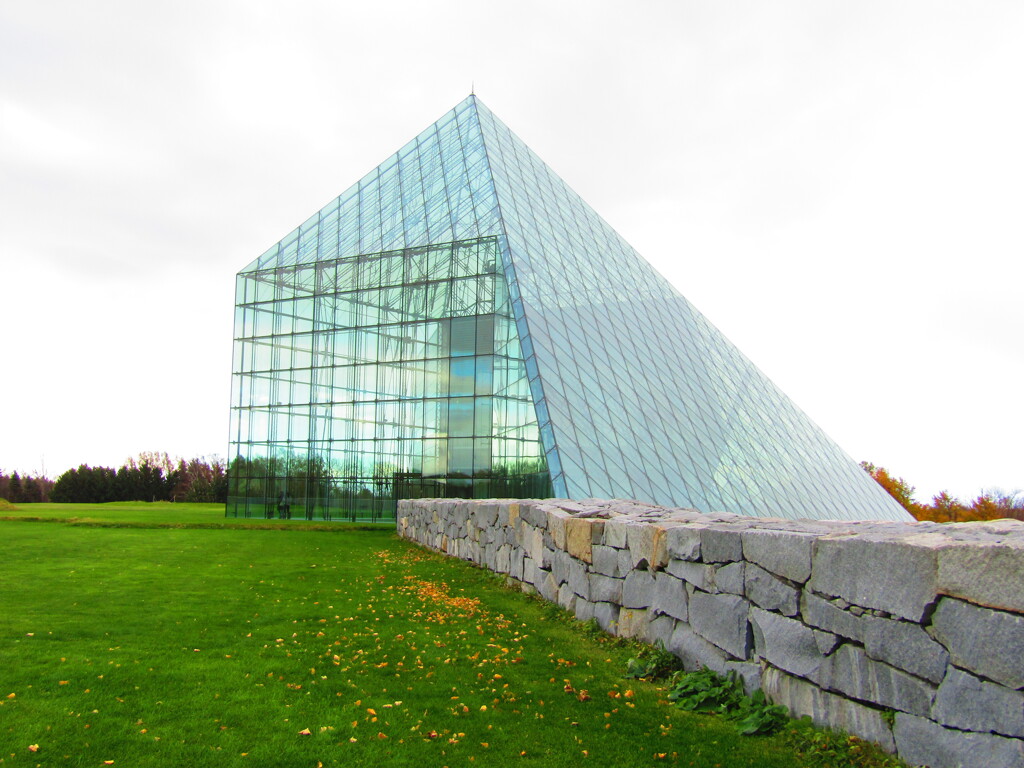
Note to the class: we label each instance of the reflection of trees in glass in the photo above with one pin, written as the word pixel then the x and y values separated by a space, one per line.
pixel 319 487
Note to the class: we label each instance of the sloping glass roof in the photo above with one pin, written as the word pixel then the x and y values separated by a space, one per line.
pixel 637 395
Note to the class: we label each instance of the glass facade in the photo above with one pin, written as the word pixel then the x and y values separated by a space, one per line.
pixel 370 378
pixel 460 323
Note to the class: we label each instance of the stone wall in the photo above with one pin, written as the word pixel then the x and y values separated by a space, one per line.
pixel 907 634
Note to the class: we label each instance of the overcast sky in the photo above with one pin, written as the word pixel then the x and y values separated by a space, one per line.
pixel 838 186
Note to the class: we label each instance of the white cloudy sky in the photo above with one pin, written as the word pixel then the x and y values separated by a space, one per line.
pixel 839 186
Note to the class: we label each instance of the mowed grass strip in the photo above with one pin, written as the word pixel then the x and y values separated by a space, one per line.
pixel 194 647
pixel 165 514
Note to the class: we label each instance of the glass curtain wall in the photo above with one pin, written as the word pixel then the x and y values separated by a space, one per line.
pixel 362 380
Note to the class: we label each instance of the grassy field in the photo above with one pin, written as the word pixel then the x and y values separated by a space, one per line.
pixel 142 646
pixel 159 514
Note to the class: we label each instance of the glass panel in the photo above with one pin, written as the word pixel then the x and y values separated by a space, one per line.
pixel 463 336
pixel 462 376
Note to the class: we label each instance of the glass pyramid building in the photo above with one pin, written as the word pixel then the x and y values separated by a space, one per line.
pixel 459 323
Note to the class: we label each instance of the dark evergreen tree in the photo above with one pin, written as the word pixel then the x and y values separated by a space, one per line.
pixel 15 489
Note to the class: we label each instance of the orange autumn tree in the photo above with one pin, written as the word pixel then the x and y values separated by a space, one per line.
pixel 896 487
pixel 993 504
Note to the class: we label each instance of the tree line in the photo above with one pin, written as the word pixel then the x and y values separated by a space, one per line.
pixel 993 504
pixel 24 490
pixel 151 476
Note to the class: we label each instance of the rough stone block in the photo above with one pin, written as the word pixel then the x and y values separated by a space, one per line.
pixel 749 673
pixel 905 645
pixel 584 609
pixel 533 542
pixel 596 531
pixel 566 598
pixel 637 589
pixel 556 526
pixel 729 578
pixel 826 709
pixel 826 641
pixel 547 552
pixel 502 558
pixel 607 615
pixel 632 623
pixel 966 571
pixel 982 640
pixel 625 562
pixel 548 587
pixel 770 592
pixel 605 589
pixel 819 612
pixel 921 742
pixel 605 560
pixel 640 540
pixel 683 542
pixel 851 672
pixel 721 544
pixel 971 704
pixel 669 596
pixel 786 643
pixel 577 538
pixel 516 557
pixel 615 534
pixel 504 514
pixel 533 514
pixel 560 565
pixel 886 573
pixel 659 548
pixel 699 575
pixel 784 553
pixel 659 631
pixel 579 580
pixel 694 651
pixel 722 620
pixel 530 570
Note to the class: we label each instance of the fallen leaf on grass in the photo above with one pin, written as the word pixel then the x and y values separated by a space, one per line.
pixel 305 732
pixel 33 747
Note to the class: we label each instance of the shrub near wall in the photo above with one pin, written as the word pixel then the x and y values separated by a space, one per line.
pixel 910 635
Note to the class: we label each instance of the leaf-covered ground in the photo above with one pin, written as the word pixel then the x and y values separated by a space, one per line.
pixel 142 647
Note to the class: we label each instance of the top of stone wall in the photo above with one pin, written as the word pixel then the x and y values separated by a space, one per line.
pixel 899 568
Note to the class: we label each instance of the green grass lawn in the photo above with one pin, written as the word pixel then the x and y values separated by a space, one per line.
pixel 159 514
pixel 236 646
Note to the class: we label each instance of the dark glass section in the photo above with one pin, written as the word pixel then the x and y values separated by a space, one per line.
pixel 363 380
